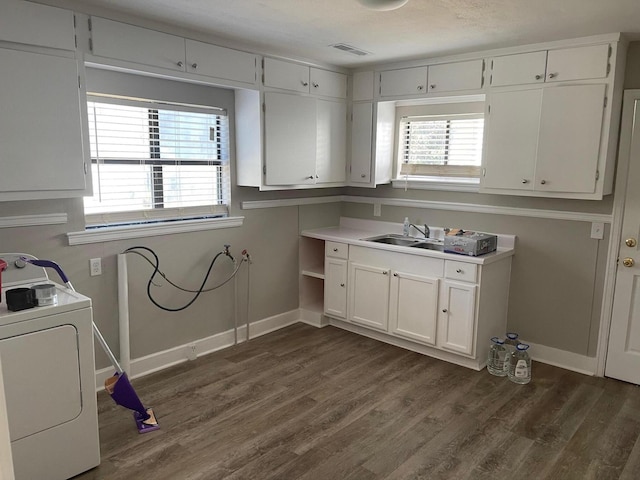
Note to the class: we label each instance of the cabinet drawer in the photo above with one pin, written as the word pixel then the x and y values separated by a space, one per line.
pixel 465 272
pixel 336 249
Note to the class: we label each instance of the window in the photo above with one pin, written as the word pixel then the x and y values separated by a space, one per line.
pixel 437 141
pixel 156 161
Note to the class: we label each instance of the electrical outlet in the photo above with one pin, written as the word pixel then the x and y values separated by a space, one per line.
pixel 377 209
pixel 192 351
pixel 597 230
pixel 95 266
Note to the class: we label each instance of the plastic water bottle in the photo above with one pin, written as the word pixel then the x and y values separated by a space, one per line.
pixel 405 226
pixel 520 365
pixel 497 355
pixel 510 342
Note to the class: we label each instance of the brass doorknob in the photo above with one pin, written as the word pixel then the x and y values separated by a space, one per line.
pixel 628 262
pixel 631 242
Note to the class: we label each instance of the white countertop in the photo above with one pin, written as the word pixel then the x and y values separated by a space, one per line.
pixel 352 231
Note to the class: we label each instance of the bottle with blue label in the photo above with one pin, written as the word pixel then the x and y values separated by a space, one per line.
pixel 497 356
pixel 510 343
pixel 520 365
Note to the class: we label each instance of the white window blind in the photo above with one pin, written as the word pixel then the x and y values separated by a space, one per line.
pixel 441 145
pixel 155 161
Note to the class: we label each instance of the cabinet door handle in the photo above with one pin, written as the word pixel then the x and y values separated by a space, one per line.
pixel 304 84
pixel 395 274
pixel 385 273
pixel 420 87
pixel 180 64
pixel 524 180
pixel 363 176
pixel 553 75
pixel 342 284
pixel 459 270
pixel 444 310
pixel 310 177
pixel 194 66
pixel 335 249
pixel 538 77
pixel 315 85
pixel 542 182
pixel 432 86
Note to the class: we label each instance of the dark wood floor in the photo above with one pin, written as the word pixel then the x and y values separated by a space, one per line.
pixel 325 404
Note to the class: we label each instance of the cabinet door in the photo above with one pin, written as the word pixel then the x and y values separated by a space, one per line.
pixel 569 144
pixel 290 139
pixel 457 317
pixel 220 62
pixel 286 75
pixel 32 24
pixel 369 295
pixel 518 69
pixel 361 138
pixel 511 139
pixel 41 145
pixel 335 287
pixel 328 84
pixel 331 156
pixel 139 45
pixel 578 63
pixel 450 77
pixel 413 307
pixel 362 86
pixel 406 81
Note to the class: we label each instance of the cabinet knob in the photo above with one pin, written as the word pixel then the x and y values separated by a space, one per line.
pixel 315 85
pixel 631 242
pixel 459 270
pixel 304 84
pixel 395 274
pixel 342 284
pixel 543 182
pixel 538 77
pixel 385 273
pixel 194 66
pixel 432 86
pixel 363 175
pixel 420 87
pixel 553 75
pixel 444 310
pixel 524 180
pixel 310 177
pixel 335 249
pixel 180 64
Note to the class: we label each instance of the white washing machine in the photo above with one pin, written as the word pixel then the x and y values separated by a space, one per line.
pixel 49 380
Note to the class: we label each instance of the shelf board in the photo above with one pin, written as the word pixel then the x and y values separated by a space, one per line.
pixel 316 271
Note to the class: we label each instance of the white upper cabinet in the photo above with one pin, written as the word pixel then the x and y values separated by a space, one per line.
pixel 560 65
pixel 328 84
pixel 144 47
pixel 303 79
pixel 405 81
pixel 578 63
pixel 138 45
pixel 33 24
pixel 518 69
pixel 331 142
pixel 290 139
pixel 451 77
pixel 220 62
pixel 363 86
pixel 286 75
pixel 361 143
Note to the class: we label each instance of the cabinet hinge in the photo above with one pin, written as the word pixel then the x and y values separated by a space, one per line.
pixel 597 175
pixel 489 109
pixel 380 85
pixel 483 72
pixel 74 22
pixel 605 102
pixel 491 79
pixel 86 169
pixel 75 40
pixel 89 23
pixel 91 45
pixel 608 68
pixel 264 169
pixel 484 172
pixel 610 51
pixel 264 107
pixel 79 82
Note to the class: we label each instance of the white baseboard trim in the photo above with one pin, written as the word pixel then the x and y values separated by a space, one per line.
pixel 313 318
pixel 167 358
pixel 563 359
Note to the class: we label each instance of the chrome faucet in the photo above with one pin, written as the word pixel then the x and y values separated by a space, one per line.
pixel 426 232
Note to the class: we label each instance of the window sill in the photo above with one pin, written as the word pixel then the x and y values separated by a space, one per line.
pixel 438 183
pixel 106 234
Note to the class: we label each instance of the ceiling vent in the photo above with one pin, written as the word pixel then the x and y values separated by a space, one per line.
pixel 349 49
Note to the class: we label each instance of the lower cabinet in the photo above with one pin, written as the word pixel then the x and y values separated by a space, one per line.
pixel 369 295
pixel 456 318
pixel 335 287
pixel 413 307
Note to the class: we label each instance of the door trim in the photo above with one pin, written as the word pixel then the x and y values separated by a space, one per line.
pixel 631 99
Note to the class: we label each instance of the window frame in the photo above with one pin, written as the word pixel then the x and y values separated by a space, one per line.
pixel 160 213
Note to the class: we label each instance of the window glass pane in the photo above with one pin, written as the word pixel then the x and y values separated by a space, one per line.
pixel 120 188
pixel 118 131
pixel 188 135
pixel 191 185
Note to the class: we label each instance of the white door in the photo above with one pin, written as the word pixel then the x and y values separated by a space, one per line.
pixel 457 317
pixel 623 355
pixel 449 77
pixel 405 81
pixel 413 307
pixel 361 138
pixel 331 142
pixel 335 287
pixel 369 296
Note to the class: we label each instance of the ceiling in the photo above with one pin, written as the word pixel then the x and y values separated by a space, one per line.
pixel 423 28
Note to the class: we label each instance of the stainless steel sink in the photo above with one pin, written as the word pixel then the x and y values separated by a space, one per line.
pixel 402 241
